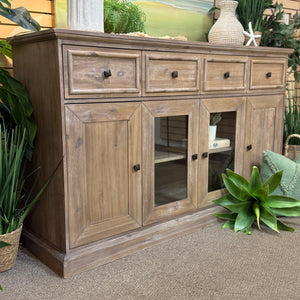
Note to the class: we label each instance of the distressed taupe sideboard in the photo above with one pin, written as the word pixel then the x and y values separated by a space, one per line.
pixel 130 117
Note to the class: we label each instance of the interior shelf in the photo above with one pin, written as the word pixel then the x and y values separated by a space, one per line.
pixel 165 154
pixel 218 150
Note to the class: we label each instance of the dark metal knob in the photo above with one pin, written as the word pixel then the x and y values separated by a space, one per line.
pixel 226 75
pixel 107 73
pixel 249 147
pixel 269 75
pixel 205 154
pixel 195 156
pixel 174 74
pixel 137 167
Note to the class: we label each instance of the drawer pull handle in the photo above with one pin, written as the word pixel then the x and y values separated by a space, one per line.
pixel 269 75
pixel 226 75
pixel 137 167
pixel 174 74
pixel 107 73
pixel 195 156
pixel 205 154
pixel 249 147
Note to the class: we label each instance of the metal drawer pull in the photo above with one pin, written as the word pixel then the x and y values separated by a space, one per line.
pixel 205 154
pixel 174 74
pixel 226 75
pixel 269 75
pixel 107 73
pixel 137 167
pixel 195 156
pixel 249 147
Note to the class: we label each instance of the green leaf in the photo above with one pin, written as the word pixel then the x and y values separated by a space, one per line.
pixel 282 226
pixel 255 181
pixel 245 195
pixel 228 224
pixel 276 201
pixel 226 216
pixel 5 48
pixel 273 181
pixel 3 244
pixel 21 17
pixel 233 189
pixel 237 179
pixel 244 219
pixel 269 218
pixel 256 210
pixel 261 194
pixel 286 212
pixel 231 203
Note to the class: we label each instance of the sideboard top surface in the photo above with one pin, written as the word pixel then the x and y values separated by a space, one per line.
pixel 67 36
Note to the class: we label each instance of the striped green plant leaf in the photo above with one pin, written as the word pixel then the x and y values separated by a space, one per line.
pixel 233 189
pixel 276 201
pixel 262 193
pixel 227 216
pixel 255 181
pixel 282 226
pixel 237 179
pixel 269 218
pixel 244 219
pixel 286 212
pixel 228 224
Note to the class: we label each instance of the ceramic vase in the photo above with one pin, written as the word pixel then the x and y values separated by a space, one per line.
pixel 227 29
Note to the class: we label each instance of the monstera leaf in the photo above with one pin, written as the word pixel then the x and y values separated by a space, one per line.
pixel 19 15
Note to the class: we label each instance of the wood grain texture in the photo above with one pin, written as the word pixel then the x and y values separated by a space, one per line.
pixel 99 174
pixel 223 73
pixel 99 207
pixel 151 110
pixel 159 68
pixel 265 129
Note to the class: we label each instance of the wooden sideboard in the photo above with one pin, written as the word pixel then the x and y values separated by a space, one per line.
pixel 130 117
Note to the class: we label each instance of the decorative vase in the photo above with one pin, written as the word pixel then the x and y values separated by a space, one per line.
pixel 212 132
pixel 8 254
pixel 227 29
pixel 85 15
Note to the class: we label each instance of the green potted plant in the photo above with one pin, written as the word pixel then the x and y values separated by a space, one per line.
pixel 123 17
pixel 252 201
pixel 18 130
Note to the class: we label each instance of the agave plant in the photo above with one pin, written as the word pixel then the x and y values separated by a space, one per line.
pixel 251 201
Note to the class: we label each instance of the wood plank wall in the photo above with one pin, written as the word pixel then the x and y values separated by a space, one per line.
pixel 41 10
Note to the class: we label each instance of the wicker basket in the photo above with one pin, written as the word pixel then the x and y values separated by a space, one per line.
pixel 291 151
pixel 8 254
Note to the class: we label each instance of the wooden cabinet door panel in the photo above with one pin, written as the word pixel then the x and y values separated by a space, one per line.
pixel 230 127
pixel 264 129
pixel 159 109
pixel 104 192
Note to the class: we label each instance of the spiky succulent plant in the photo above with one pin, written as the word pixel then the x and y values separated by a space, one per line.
pixel 251 201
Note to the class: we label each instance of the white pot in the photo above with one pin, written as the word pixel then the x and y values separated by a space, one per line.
pixel 212 132
pixel 85 15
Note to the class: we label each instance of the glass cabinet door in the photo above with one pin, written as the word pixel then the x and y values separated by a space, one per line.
pixel 170 155
pixel 221 145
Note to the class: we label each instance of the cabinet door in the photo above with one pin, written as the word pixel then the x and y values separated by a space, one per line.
pixel 170 135
pixel 222 151
pixel 104 190
pixel 264 129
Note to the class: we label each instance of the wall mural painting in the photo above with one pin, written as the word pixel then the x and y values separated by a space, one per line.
pixel 186 18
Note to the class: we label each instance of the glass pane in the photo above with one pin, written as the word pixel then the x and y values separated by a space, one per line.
pixel 170 162
pixel 221 147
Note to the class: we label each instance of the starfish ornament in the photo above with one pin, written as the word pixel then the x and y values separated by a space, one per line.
pixel 251 35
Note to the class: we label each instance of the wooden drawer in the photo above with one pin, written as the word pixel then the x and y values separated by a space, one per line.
pixel 224 73
pixel 94 72
pixel 171 73
pixel 267 74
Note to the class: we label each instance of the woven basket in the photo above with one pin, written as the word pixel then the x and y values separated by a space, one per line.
pixel 291 151
pixel 8 254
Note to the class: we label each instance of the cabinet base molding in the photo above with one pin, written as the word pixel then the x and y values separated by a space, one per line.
pixel 96 254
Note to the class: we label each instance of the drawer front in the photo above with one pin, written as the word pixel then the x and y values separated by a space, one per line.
pixel 267 74
pixel 95 71
pixel 224 74
pixel 169 72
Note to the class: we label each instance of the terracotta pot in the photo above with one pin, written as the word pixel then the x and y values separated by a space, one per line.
pixel 8 254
